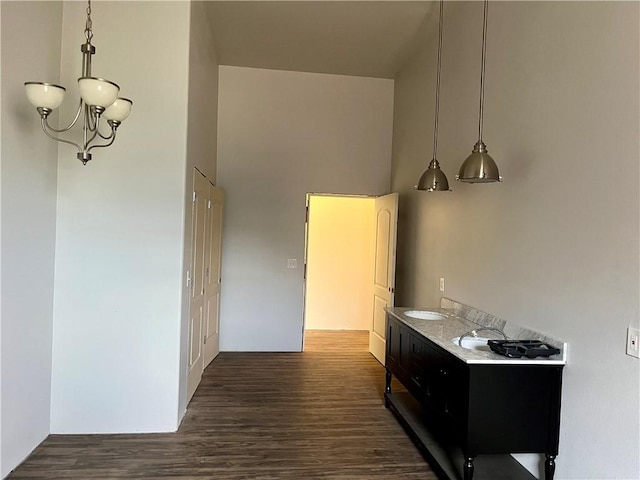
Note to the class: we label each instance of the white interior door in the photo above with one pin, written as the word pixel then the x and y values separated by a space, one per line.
pixel 384 271
pixel 197 282
pixel 213 274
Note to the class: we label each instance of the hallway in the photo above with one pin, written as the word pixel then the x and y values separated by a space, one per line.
pixel 317 414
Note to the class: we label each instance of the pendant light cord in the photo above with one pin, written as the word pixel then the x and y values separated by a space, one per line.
pixel 484 55
pixel 435 128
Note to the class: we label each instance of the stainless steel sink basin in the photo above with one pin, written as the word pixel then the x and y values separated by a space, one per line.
pixel 425 315
pixel 473 343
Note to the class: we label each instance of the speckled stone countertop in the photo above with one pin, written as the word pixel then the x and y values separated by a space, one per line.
pixel 461 319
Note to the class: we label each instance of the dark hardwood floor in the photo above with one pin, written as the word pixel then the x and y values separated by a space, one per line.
pixel 312 415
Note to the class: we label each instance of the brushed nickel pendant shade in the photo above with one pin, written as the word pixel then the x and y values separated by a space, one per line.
pixel 433 179
pixel 479 167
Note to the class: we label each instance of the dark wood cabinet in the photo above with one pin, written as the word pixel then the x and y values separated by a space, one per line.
pixel 483 408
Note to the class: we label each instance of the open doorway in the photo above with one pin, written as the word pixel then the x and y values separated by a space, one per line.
pixel 340 242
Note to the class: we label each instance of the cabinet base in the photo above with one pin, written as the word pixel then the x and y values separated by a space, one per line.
pixel 446 459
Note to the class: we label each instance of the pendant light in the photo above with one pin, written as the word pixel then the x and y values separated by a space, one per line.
pixel 479 167
pixel 99 101
pixel 433 179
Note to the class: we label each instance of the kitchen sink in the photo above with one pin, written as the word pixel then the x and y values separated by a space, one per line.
pixel 425 315
pixel 473 343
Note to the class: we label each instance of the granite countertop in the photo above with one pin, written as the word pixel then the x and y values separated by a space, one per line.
pixel 461 319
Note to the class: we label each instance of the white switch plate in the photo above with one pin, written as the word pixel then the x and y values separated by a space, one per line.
pixel 292 263
pixel 442 284
pixel 633 348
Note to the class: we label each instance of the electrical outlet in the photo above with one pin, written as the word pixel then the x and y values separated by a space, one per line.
pixel 442 284
pixel 292 263
pixel 633 348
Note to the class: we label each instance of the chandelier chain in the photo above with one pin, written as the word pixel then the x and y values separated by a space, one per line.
pixel 88 32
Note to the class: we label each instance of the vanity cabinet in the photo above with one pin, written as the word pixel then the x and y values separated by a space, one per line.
pixel 482 408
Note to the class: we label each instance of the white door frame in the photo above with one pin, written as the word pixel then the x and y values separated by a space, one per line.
pixel 306 246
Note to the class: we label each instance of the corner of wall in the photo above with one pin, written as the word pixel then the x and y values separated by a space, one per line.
pixel 201 152
pixel 28 178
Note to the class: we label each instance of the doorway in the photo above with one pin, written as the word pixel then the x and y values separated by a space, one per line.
pixel 339 267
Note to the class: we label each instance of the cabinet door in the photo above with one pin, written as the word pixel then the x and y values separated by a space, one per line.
pixel 433 382
pixel 393 344
pixel 456 391
pixel 416 370
pixel 446 385
pixel 397 347
pixel 509 400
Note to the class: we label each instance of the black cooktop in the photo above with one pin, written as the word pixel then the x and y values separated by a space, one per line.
pixel 522 348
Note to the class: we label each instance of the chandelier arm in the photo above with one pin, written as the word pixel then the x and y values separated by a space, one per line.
pixel 46 127
pixel 70 126
pixel 93 119
pixel 113 139
pixel 90 122
pixel 104 136
pixel 97 130
pixel 91 139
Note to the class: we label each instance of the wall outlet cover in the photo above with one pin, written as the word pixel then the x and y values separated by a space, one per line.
pixel 633 348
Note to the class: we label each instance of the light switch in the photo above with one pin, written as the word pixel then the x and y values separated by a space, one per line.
pixel 292 263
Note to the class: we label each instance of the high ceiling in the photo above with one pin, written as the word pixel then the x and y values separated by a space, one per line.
pixel 363 38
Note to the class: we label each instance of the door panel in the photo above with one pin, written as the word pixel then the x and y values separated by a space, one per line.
pixel 379 315
pixel 197 284
pixel 213 274
pixel 195 334
pixel 386 218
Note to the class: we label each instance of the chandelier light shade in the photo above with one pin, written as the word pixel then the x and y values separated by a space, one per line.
pixel 479 167
pixel 45 95
pixel 98 92
pixel 433 178
pixel 98 100
pixel 119 110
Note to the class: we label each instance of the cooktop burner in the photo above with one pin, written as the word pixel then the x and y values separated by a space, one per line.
pixel 522 348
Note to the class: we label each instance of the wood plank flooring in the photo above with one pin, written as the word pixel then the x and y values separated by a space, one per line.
pixel 312 415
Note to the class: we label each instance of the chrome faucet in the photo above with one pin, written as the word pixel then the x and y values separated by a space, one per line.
pixel 474 333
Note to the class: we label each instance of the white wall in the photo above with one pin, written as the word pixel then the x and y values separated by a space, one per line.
pixel 201 149
pixel 117 307
pixel 28 172
pixel 280 135
pixel 340 249
pixel 554 247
